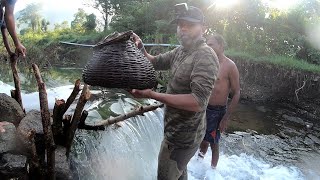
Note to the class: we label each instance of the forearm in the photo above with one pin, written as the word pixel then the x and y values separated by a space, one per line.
pixel 180 101
pixel 5 40
pixel 233 104
pixel 148 56
pixel 10 22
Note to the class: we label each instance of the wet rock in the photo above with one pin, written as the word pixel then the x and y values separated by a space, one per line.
pixel 308 125
pixel 252 132
pixel 261 109
pixel 293 119
pixel 316 128
pixel 283 135
pixel 32 121
pixel 62 165
pixel 308 141
pixel 10 109
pixel 280 111
pixel 314 139
pixel 7 138
pixel 13 166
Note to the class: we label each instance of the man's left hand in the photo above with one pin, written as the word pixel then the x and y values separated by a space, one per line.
pixel 146 93
pixel 224 123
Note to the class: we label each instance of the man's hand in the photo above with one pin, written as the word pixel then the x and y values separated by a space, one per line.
pixel 224 123
pixel 2 124
pixel 146 93
pixel 21 50
pixel 137 41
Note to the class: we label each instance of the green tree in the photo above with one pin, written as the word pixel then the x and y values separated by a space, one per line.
pixel 31 16
pixel 62 26
pixel 79 19
pixel 90 23
pixel 44 25
pixel 111 7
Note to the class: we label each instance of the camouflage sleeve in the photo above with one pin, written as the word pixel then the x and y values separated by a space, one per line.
pixel 163 61
pixel 203 76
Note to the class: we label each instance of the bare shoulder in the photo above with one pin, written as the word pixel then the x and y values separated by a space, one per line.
pixel 231 65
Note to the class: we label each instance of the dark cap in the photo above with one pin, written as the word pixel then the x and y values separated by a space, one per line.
pixel 191 14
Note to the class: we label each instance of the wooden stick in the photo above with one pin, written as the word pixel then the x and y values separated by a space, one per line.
pixel 83 117
pixel 45 115
pixel 82 124
pixel 57 129
pixel 84 97
pixel 94 128
pixel 16 79
pixel 13 94
pixel 123 117
pixel 72 96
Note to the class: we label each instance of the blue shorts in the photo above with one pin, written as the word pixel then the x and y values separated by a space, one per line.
pixel 214 115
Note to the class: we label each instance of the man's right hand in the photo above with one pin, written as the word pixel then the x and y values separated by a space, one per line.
pixel 137 41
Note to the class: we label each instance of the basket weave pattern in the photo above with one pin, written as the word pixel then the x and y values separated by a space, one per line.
pixel 119 65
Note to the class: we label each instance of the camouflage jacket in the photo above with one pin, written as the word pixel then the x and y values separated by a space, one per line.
pixel 192 71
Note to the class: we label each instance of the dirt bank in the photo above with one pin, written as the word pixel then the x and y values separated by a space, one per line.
pixel 268 82
pixel 293 89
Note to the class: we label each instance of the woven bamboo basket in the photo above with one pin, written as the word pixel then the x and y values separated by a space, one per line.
pixel 118 63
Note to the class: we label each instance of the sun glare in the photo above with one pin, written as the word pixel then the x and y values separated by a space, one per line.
pixel 221 4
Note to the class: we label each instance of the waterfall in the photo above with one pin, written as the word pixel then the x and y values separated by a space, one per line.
pixel 130 152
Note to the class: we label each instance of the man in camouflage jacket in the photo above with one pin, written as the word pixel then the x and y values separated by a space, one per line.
pixel 193 70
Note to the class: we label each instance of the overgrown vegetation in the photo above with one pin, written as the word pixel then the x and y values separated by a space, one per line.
pixel 253 29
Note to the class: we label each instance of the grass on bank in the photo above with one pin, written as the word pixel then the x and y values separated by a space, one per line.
pixel 283 61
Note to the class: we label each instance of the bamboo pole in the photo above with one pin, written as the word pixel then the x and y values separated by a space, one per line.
pixel 84 97
pixel 16 79
pixel 45 115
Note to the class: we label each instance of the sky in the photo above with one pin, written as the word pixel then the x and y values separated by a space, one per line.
pixel 57 11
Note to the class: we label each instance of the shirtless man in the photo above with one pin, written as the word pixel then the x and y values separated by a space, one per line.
pixel 217 113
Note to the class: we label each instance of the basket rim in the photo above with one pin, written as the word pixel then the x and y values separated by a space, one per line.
pixel 113 38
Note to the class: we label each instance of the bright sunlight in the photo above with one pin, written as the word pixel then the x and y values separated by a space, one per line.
pixel 221 4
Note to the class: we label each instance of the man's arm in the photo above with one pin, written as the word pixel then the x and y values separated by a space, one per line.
pixel 10 22
pixel 5 40
pixel 235 91
pixel 180 101
pixel 139 44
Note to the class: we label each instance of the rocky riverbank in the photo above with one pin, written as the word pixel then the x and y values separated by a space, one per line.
pixel 16 151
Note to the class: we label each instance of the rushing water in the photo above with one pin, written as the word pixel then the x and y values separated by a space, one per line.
pixel 128 150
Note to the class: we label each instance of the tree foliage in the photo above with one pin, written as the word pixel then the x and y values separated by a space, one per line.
pixel 251 26
pixel 31 16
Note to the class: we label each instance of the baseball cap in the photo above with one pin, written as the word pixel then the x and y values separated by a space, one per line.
pixel 191 14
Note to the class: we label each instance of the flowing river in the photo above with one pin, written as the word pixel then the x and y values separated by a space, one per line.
pixel 251 149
